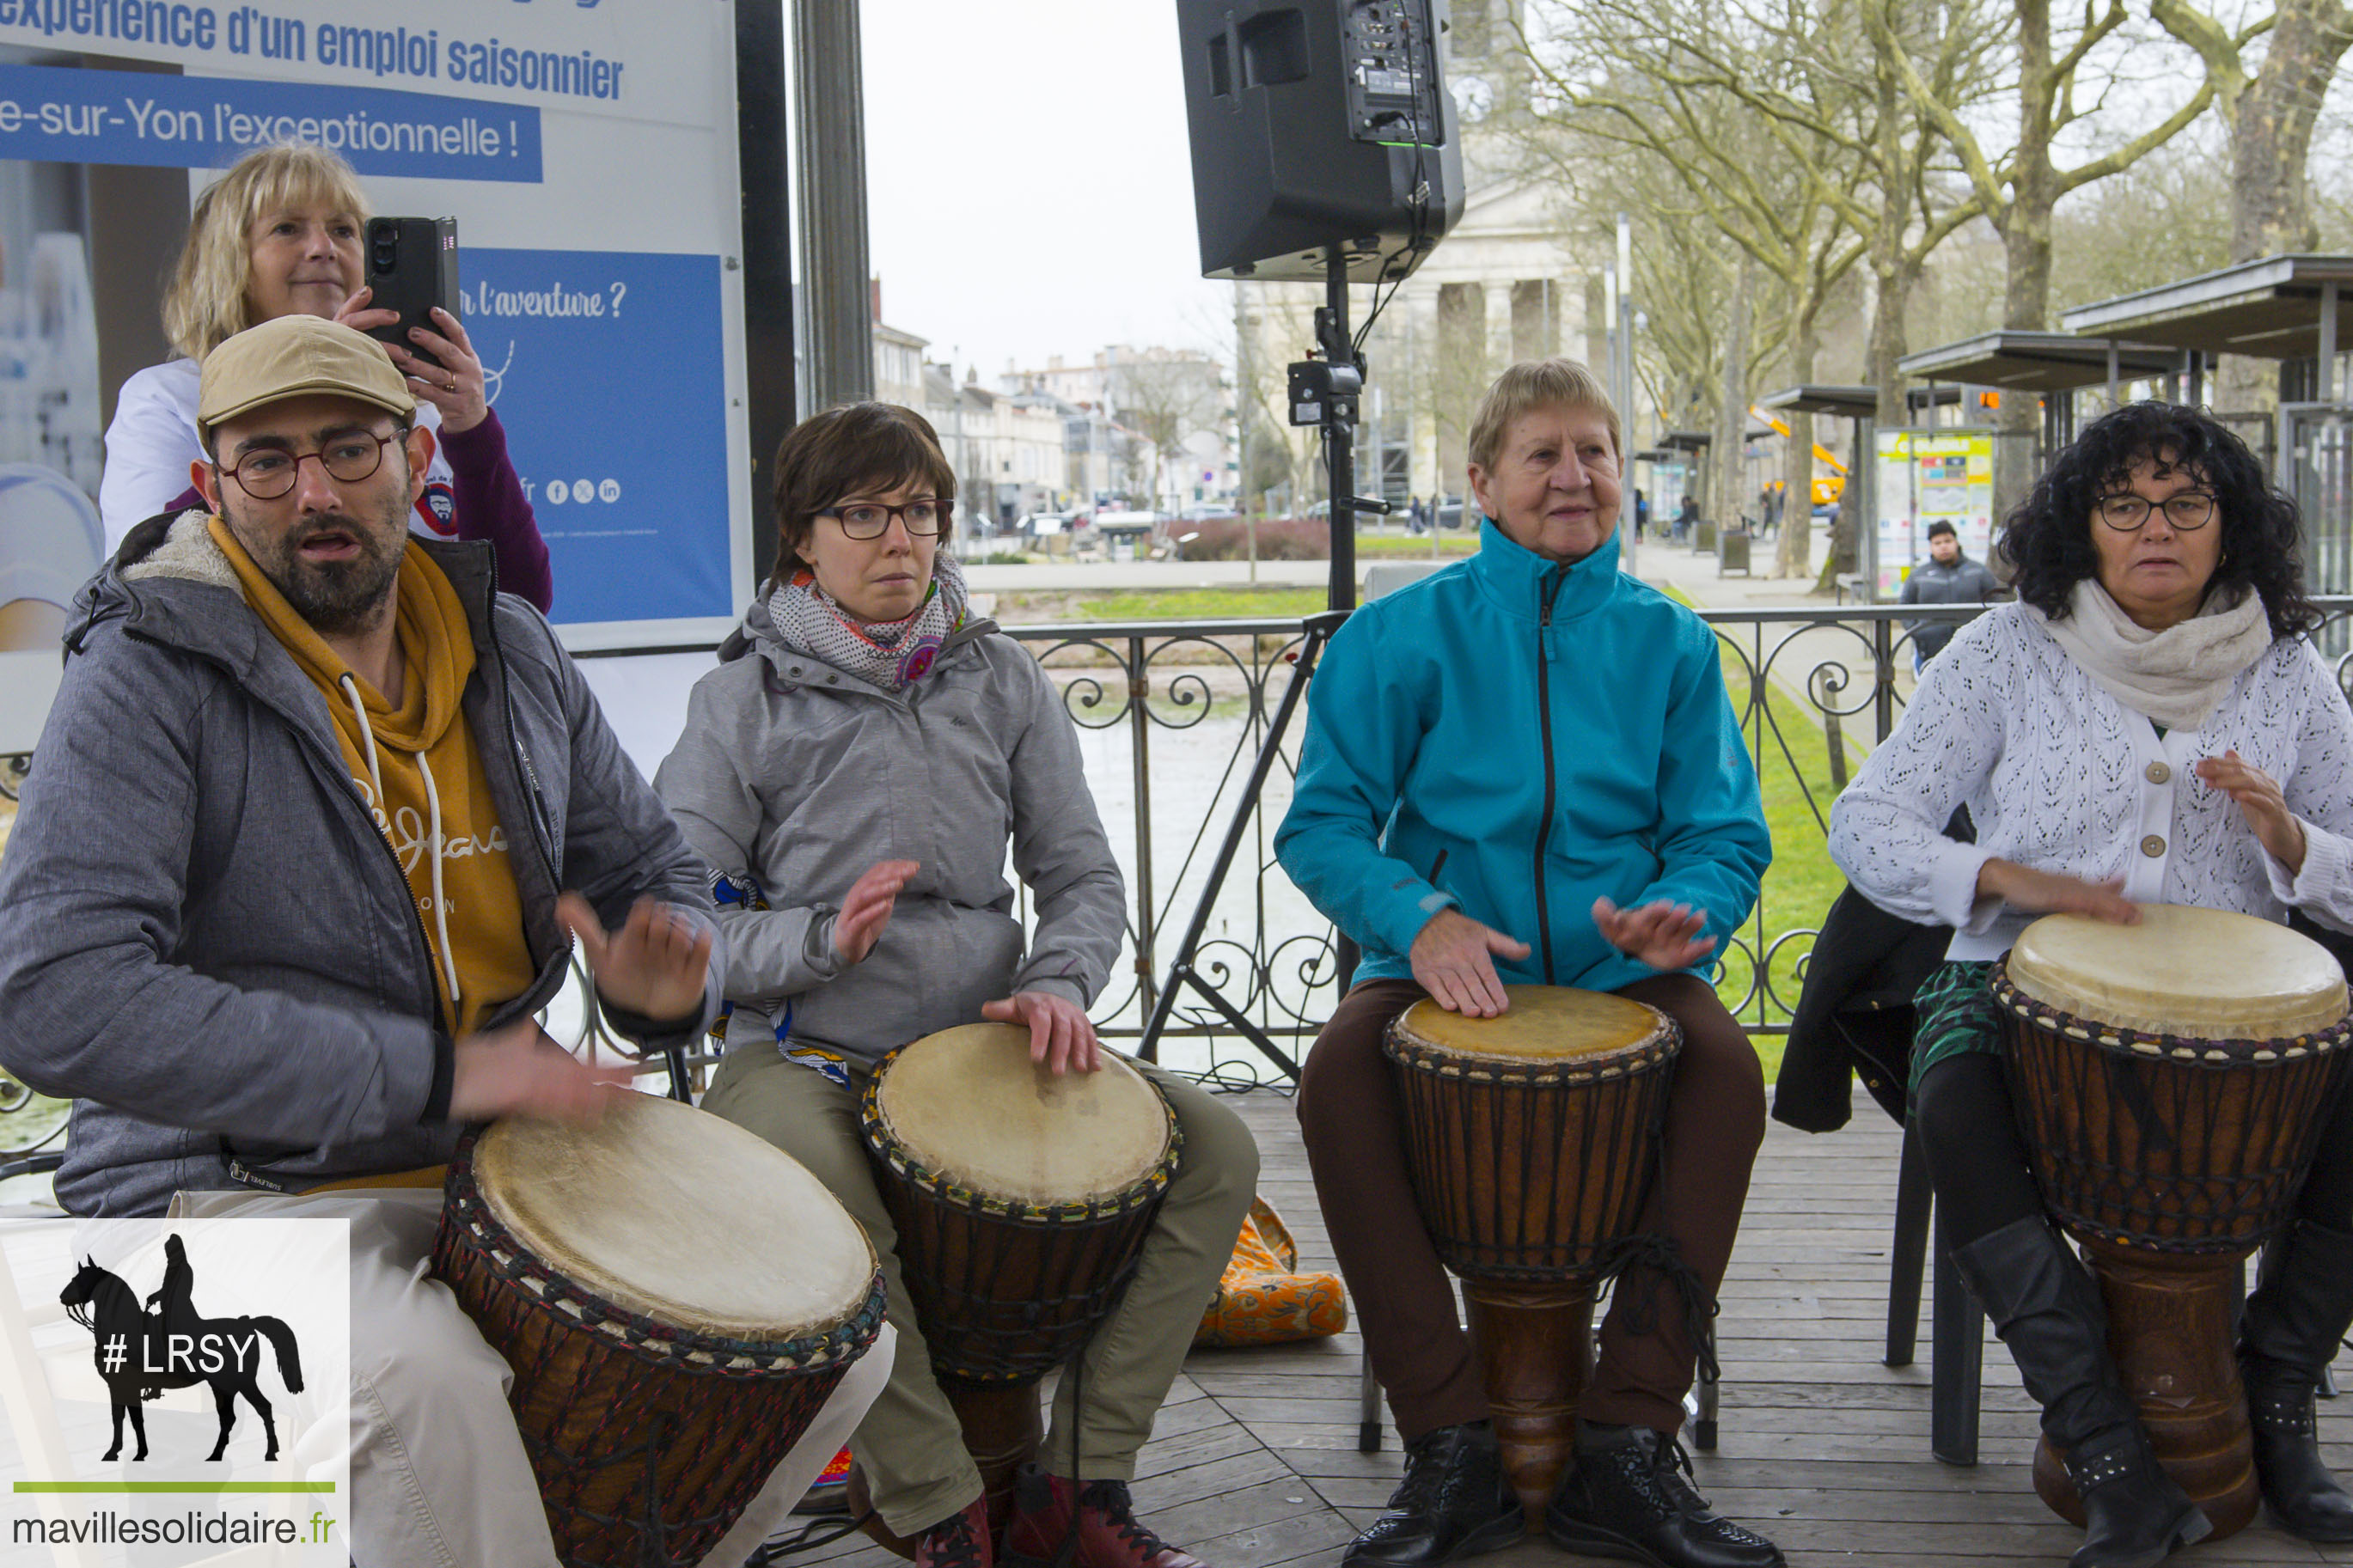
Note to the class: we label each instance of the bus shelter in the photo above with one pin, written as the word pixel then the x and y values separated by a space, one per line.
pixel 2288 309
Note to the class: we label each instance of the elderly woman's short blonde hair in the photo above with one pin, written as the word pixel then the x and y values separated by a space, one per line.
pixel 205 303
pixel 1531 384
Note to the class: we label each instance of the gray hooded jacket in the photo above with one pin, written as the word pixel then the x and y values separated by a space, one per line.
pixel 793 777
pixel 204 937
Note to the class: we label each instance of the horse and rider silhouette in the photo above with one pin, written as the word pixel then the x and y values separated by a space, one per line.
pixel 139 1353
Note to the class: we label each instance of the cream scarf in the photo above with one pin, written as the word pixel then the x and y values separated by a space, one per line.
pixel 2176 676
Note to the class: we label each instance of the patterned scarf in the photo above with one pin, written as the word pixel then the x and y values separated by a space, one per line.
pixel 892 655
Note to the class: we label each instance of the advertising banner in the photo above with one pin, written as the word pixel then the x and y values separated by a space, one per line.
pixel 588 150
pixel 1925 475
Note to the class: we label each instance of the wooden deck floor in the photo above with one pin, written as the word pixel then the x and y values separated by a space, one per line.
pixel 1254 1463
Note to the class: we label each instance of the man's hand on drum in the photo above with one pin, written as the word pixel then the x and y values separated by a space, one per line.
pixel 866 908
pixel 1663 935
pixel 517 1070
pixel 1061 1038
pixel 2024 888
pixel 2261 804
pixel 456 386
pixel 655 965
pixel 1453 959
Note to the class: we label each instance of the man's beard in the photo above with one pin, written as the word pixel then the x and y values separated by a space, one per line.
pixel 336 598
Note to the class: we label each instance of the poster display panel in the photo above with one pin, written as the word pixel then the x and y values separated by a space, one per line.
pixel 1924 476
pixel 588 152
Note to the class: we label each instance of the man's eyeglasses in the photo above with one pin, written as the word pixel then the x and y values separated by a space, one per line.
pixel 268 474
pixel 867 519
pixel 2190 510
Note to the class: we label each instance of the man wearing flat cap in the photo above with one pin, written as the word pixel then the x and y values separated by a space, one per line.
pixel 288 885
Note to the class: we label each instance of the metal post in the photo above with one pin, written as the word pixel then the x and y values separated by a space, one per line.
pixel 2326 390
pixel 1139 688
pixel 771 406
pixel 1339 433
pixel 2112 373
pixel 831 150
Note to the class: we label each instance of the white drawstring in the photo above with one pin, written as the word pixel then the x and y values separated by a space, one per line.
pixel 440 904
pixel 351 691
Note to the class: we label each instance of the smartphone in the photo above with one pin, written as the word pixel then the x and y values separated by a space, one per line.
pixel 412 266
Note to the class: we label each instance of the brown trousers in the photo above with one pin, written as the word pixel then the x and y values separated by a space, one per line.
pixel 1404 1301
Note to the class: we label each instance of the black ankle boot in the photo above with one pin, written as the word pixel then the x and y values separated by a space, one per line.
pixel 2048 1311
pixel 1453 1502
pixel 1626 1496
pixel 2134 1514
pixel 2293 1322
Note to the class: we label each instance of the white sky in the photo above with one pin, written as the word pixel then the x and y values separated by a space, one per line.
pixel 1030 185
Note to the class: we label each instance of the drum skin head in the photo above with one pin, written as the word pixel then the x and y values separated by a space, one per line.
pixel 2196 974
pixel 679 1216
pixel 1544 1023
pixel 967 1104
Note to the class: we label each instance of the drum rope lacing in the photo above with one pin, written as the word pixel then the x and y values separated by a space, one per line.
pixel 497 1248
pixel 1538 1257
pixel 2195 1173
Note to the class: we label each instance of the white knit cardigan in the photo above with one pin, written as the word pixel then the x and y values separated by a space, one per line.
pixel 2060 776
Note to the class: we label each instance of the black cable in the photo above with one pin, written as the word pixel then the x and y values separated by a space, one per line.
pixel 809 1536
pixel 1419 229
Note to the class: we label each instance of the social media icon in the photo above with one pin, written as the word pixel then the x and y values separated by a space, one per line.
pixel 609 491
pixel 558 492
pixel 583 491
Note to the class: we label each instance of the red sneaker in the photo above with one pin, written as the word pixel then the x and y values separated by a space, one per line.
pixel 959 1540
pixel 1108 1532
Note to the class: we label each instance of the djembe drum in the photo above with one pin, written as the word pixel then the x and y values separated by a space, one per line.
pixel 2170 1079
pixel 1021 1200
pixel 1531 1138
pixel 677 1300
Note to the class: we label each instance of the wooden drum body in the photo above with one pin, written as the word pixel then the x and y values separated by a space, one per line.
pixel 1022 1200
pixel 2169 1080
pixel 1532 1138
pixel 676 1298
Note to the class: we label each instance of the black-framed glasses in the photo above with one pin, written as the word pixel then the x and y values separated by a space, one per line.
pixel 2185 513
pixel 867 519
pixel 270 473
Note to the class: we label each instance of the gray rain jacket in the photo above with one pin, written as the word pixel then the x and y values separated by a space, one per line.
pixel 204 937
pixel 793 777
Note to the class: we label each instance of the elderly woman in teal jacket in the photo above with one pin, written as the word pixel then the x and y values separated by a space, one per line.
pixel 1524 769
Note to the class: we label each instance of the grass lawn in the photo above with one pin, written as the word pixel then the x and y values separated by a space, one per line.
pixel 1801 883
pixel 1239 601
pixel 1450 545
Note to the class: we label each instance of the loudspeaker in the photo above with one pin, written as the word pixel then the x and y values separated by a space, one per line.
pixel 1318 124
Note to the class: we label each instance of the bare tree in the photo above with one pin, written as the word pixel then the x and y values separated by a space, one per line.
pixel 1775 209
pixel 1166 398
pixel 2269 111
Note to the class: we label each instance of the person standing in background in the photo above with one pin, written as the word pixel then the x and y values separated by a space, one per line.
pixel 1946 577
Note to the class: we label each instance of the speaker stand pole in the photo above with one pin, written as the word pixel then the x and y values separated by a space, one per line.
pixel 1340 469
pixel 1338 425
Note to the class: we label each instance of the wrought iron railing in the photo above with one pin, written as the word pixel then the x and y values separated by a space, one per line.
pixel 1842 673
pixel 1173 715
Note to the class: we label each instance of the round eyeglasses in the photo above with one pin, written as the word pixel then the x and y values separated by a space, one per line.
pixel 270 473
pixel 2185 514
pixel 867 519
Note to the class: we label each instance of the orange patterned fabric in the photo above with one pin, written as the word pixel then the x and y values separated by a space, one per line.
pixel 1263 1299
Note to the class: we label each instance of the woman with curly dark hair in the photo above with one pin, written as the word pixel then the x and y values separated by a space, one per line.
pixel 2145 725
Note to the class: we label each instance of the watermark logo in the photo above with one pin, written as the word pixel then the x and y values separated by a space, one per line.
pixel 208 1357
pixel 142 1349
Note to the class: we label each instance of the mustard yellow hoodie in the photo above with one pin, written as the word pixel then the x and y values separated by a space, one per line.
pixel 418 770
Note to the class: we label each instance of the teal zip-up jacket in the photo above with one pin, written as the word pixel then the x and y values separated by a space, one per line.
pixel 1516 738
